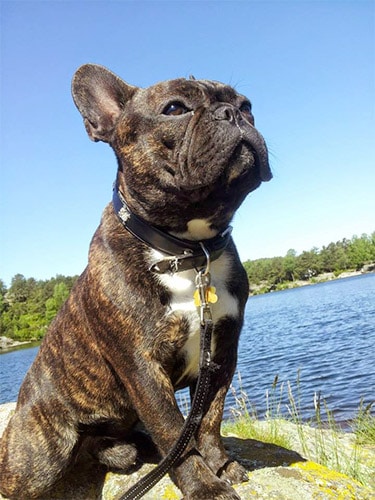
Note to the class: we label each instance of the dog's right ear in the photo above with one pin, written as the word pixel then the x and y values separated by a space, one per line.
pixel 100 96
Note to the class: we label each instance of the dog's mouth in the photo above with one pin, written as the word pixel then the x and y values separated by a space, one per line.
pixel 246 167
pixel 235 151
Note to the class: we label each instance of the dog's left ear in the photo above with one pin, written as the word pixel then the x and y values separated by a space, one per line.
pixel 100 96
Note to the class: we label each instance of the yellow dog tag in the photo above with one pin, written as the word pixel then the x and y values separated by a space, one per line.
pixel 211 296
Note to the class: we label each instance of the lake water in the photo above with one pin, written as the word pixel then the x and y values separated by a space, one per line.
pixel 326 332
pixel 323 334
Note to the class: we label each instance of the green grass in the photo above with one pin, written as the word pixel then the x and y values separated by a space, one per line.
pixel 244 421
pixel 364 425
pixel 320 439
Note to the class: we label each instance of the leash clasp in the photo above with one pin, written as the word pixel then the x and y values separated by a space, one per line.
pixel 202 282
pixel 205 294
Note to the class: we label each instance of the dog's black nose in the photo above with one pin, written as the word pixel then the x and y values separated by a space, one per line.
pixel 227 112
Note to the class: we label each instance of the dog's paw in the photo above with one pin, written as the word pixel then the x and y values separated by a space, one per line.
pixel 234 473
pixel 116 455
pixel 219 490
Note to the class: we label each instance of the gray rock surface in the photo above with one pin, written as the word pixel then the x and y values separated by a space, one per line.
pixel 275 473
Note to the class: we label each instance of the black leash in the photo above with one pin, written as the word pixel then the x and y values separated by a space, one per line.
pixel 195 416
pixel 180 255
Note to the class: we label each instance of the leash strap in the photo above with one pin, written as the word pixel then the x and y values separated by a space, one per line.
pixel 196 413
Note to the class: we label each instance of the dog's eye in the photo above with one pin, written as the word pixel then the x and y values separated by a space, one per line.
pixel 246 108
pixel 175 108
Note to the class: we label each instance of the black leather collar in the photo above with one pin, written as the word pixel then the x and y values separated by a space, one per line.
pixel 181 254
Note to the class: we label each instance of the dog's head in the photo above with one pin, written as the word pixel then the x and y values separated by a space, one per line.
pixel 186 149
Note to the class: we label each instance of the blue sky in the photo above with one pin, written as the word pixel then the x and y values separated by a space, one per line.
pixel 308 68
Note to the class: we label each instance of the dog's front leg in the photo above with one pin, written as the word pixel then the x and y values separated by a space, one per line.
pixel 152 395
pixel 208 436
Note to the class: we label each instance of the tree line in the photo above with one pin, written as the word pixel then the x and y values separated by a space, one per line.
pixel 28 306
pixel 347 254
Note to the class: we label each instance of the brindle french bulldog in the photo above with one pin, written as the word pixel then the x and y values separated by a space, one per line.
pixel 128 336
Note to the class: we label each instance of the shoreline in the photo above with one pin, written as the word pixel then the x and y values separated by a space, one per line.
pixel 7 344
pixel 266 287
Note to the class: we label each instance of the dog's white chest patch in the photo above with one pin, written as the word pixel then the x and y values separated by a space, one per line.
pixel 200 228
pixel 182 287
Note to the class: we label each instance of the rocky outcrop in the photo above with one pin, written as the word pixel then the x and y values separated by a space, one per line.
pixel 6 343
pixel 275 473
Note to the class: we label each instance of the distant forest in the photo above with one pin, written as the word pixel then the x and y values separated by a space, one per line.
pixel 28 306
pixel 277 273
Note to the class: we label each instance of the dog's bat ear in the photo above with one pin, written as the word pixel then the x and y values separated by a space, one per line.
pixel 100 96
